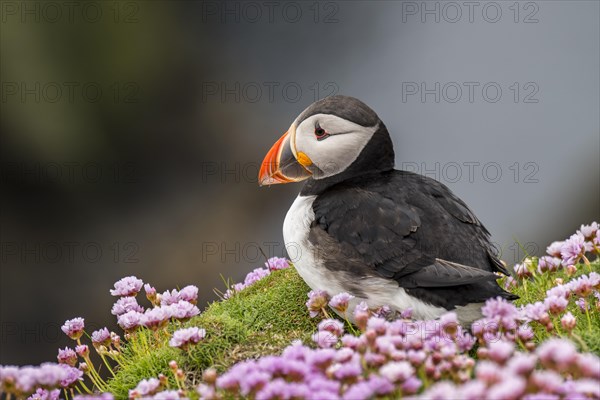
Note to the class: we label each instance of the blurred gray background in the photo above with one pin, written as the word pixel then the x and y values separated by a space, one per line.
pixel 132 133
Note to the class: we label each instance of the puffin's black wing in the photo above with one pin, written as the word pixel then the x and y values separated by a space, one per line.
pixel 412 229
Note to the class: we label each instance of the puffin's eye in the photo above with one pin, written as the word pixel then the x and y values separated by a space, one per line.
pixel 320 133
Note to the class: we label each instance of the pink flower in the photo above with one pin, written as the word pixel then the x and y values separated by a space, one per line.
pixel 522 270
pixel 501 311
pixel 182 310
pixel 101 337
pixel 572 249
pixel 255 276
pixel 449 323
pixel 548 263
pixel 582 304
pixel 182 338
pixel 525 333
pixel 43 394
pixel 558 354
pixel 488 372
pixel 397 371
pixel 144 388
pixel 347 370
pixel 155 318
pixel 511 387
pixel 473 390
pixel 150 293
pixel 554 249
pixel 589 365
pixel 556 304
pixel 340 302
pixel 317 300
pixel 73 328
pixel 128 286
pixel 277 263
pixel 130 320
pixel 384 312
pixel 568 321
pixel 361 315
pixel 521 363
pixel 559 291
pixel 125 304
pixel 589 231
pixel 584 285
pixel 82 350
pixel 188 293
pixel 251 278
pixel 500 351
pixel 510 283
pixel 411 385
pixel 377 324
pixel 67 356
pixel 324 339
pixel 332 325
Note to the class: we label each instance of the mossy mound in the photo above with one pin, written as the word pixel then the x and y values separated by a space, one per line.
pixel 262 319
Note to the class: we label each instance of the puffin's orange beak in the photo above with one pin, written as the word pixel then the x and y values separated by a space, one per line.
pixel 280 164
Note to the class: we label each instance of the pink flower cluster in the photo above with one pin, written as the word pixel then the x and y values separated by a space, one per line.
pixel 171 305
pixel 185 337
pixel 158 316
pixel 45 381
pixel 317 301
pixel 554 371
pixel 272 264
pixel 126 304
pixel 22 381
pixel 387 359
pixel 398 358
pixel 73 328
pixel 567 253
pixel 581 290
pixel 44 394
pixel 128 286
pixel 188 293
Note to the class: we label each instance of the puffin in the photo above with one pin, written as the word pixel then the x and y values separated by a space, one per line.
pixel 388 237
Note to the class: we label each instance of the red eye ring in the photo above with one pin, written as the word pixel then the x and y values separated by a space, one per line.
pixel 320 133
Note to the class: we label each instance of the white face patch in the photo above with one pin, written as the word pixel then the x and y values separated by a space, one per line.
pixel 336 152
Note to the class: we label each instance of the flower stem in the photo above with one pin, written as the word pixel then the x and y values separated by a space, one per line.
pixel 589 319
pixel 84 386
pixel 579 340
pixel 587 263
pixel 93 374
pixel 107 364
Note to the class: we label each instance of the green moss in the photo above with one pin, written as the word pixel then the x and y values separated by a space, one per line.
pixel 260 320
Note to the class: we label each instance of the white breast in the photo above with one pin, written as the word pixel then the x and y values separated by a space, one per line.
pixel 296 228
pixel 301 253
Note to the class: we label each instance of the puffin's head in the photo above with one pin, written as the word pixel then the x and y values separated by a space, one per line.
pixel 336 135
